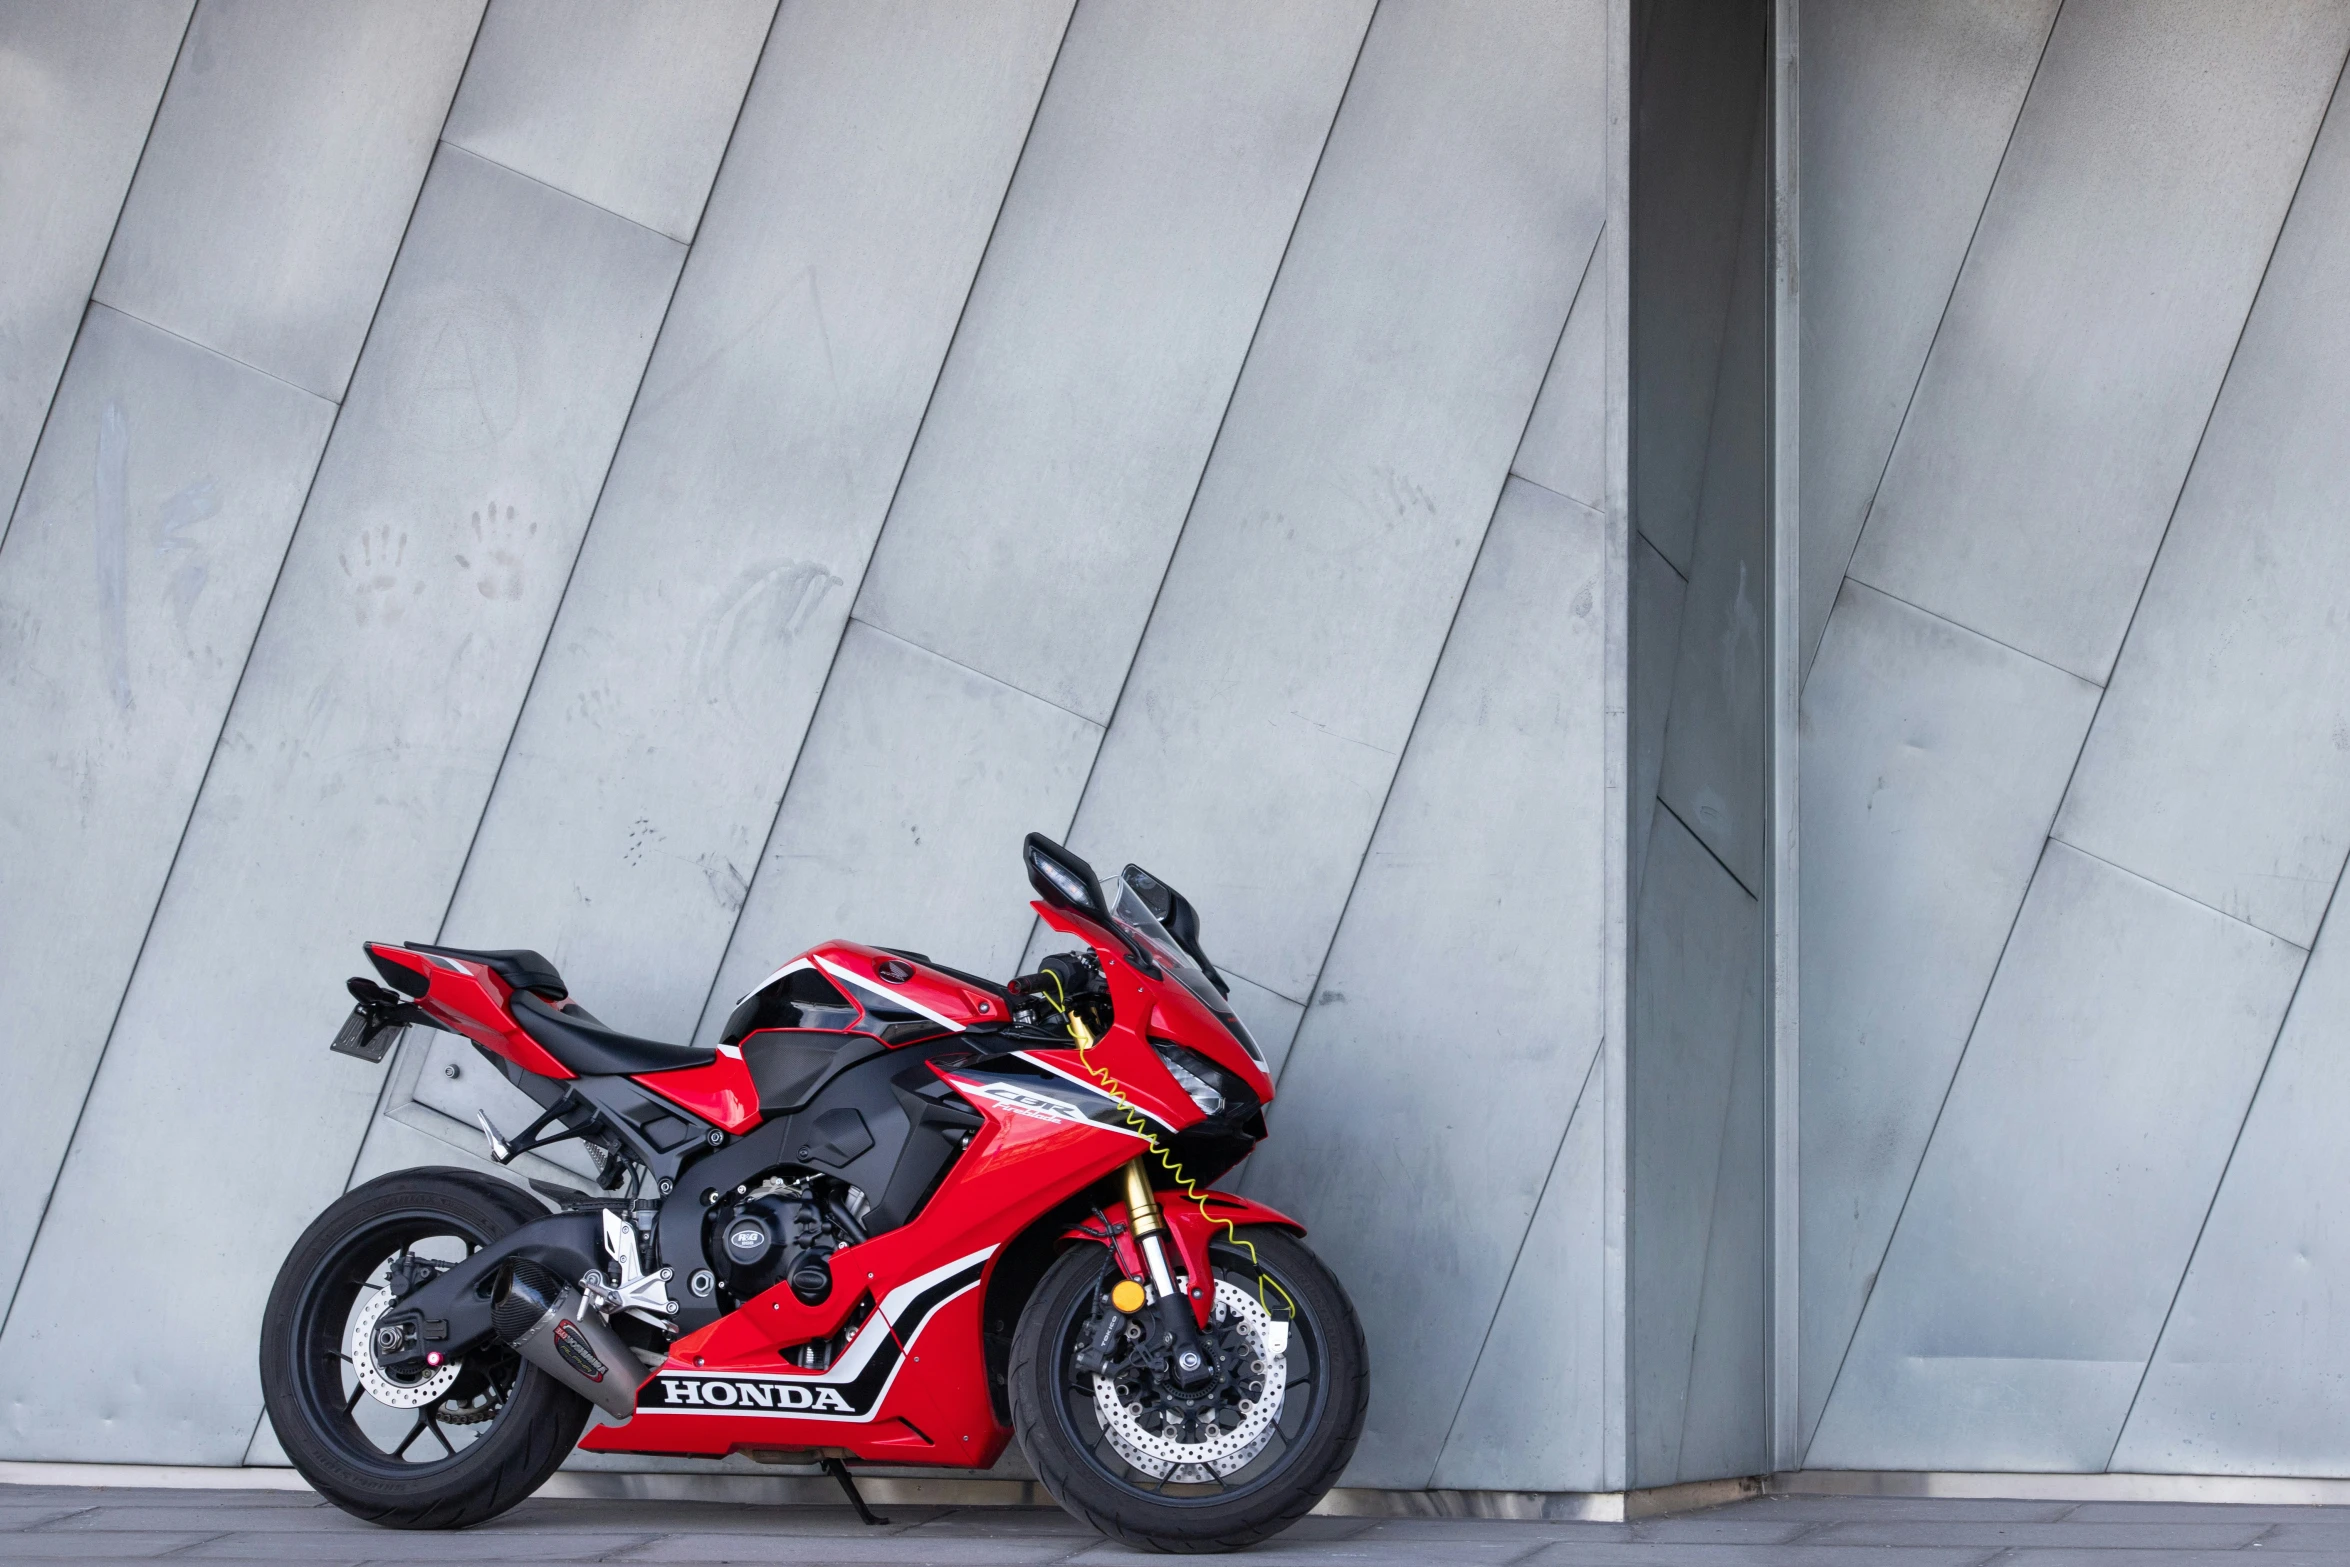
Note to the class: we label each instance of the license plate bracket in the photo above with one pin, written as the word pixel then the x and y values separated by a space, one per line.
pixel 367 1034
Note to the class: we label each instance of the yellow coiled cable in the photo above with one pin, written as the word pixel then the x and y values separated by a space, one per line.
pixel 1134 1119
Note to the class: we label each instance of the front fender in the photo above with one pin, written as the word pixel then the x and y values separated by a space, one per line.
pixel 1193 1225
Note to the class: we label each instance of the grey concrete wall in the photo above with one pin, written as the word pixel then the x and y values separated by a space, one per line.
pixel 663 484
pixel 2073 767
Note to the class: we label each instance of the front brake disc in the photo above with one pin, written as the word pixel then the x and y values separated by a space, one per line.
pixel 1163 1454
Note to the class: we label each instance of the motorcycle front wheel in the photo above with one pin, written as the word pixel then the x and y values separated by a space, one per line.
pixel 1207 1469
pixel 437 1450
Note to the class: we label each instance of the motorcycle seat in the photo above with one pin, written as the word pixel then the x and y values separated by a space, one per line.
pixel 520 968
pixel 585 1045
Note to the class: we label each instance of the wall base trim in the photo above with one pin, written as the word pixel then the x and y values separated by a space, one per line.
pixel 2263 1490
pixel 1554 1506
pixel 160 1477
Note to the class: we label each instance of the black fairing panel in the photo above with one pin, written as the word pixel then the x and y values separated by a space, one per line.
pixel 885 1124
pixel 790 1065
pixel 803 998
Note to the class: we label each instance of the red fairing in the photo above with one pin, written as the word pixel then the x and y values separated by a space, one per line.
pixel 721 1093
pixel 1170 1012
pixel 1192 1228
pixel 909 1385
pixel 466 998
pixel 877 981
pixel 941 997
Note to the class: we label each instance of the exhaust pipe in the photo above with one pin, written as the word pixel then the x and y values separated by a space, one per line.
pixel 547 1322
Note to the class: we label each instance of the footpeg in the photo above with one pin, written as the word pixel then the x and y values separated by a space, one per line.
pixel 501 1151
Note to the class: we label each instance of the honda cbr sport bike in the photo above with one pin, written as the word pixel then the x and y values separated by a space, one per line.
pixel 896 1216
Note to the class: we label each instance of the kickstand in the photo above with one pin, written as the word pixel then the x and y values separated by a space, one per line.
pixel 840 1471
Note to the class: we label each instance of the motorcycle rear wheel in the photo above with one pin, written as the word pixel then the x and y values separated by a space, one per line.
pixel 399 1462
pixel 1099 1465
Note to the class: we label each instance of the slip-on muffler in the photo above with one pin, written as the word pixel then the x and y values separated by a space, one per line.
pixel 549 1324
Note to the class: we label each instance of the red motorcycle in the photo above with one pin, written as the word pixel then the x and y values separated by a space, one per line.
pixel 897 1215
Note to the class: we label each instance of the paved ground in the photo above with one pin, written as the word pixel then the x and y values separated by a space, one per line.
pixel 56 1523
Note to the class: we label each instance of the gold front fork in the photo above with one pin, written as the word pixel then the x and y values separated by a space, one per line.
pixel 1142 1204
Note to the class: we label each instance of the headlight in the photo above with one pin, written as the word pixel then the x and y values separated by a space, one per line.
pixel 1210 1086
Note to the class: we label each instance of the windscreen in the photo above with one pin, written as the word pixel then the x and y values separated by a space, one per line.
pixel 1135 917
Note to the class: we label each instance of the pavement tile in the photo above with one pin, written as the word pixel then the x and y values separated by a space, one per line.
pixel 462 1545
pixel 1281 1551
pixel 1523 1532
pixel 2201 1512
pixel 213 1517
pixel 18 1515
pixel 1608 1554
pixel 1991 1534
pixel 59 1523
pixel 153 1496
pixel 1831 1509
pixel 990 1523
pixel 2254 1556
pixel 1708 1529
pixel 2307 1534
pixel 1312 1528
pixel 122 1545
pixel 875 1549
pixel 718 1518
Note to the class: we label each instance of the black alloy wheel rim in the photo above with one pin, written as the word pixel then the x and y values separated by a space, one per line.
pixel 335 1404
pixel 1305 1398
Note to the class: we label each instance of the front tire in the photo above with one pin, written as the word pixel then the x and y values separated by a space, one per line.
pixel 1135 1460
pixel 439 1453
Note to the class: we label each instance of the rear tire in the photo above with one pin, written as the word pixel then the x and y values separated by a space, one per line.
pixel 1190 1507
pixel 529 1422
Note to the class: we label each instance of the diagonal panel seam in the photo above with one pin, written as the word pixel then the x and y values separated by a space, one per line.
pixel 579 552
pixel 1199 481
pixel 2185 478
pixel 1094 724
pixel 2179 1287
pixel 1925 1151
pixel 2187 1268
pixel 1808 655
pixel 905 465
pixel 1582 282
pixel 277 580
pixel 90 292
pixel 1935 614
pixel 1420 708
pixel 1542 1194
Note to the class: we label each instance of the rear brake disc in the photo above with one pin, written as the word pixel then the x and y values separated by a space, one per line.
pixel 379 1383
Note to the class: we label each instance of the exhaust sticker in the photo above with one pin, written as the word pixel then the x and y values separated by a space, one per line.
pixel 572 1345
pixel 852 1390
